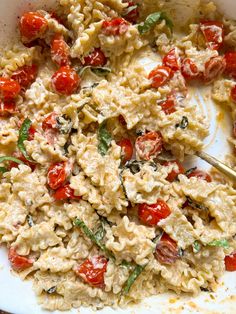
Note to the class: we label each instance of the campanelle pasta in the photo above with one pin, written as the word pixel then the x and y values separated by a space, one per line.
pixel 96 207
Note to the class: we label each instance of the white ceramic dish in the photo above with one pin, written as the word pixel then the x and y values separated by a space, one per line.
pixel 17 297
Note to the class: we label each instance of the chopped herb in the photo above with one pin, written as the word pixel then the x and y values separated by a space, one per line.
pixel 183 124
pixel 205 289
pixel 3 169
pixel 152 20
pixel 220 243
pixel 101 230
pixel 195 205
pixel 9 158
pixel 189 171
pixel 180 252
pixel 52 290
pixel 158 237
pixel 23 135
pixel 30 220
pixel 134 275
pixel 126 264
pixel 135 166
pixel 196 246
pixel 99 71
pixel 140 132
pixel 104 138
pixel 129 9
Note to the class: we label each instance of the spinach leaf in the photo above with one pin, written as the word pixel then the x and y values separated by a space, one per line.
pixel 183 124
pixel 104 138
pixel 220 243
pixel 23 135
pixel 152 20
pixel 134 275
pixel 196 246
pixel 195 205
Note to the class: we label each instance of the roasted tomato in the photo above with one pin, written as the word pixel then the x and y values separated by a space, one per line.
pixel 168 105
pixel 200 174
pixel 178 169
pixel 233 94
pixel 189 69
pixel 92 271
pixel 172 60
pixel 65 81
pixel 65 192
pixel 131 13
pixel 50 122
pixel 160 76
pixel 18 262
pixel 9 88
pixel 149 145
pixel 166 250
pixel 126 149
pixel 95 58
pixel 151 214
pixel 115 27
pixel 230 58
pixel 214 68
pixel 20 156
pixel 122 120
pixel 7 108
pixel 25 75
pixel 60 51
pixel 213 32
pixel 58 174
pixel 32 25
pixel 230 262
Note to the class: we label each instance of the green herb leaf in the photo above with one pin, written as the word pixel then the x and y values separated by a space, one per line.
pixel 9 158
pixel 195 205
pixel 101 231
pixel 3 169
pixel 124 263
pixel 183 124
pixel 196 246
pixel 104 138
pixel 152 20
pixel 220 243
pixel 23 135
pixel 134 275
pixel 80 223
pixel 99 71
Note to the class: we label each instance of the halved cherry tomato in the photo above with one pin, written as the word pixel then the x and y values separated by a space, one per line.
pixel 116 26
pixel 25 75
pixel 65 80
pixel 149 145
pixel 200 174
pixel 172 60
pixel 168 105
pixel 60 51
pixel 132 12
pixel 213 32
pixel 95 58
pixel 189 69
pixel 160 76
pixel 230 58
pixel 9 88
pixel 92 271
pixel 230 262
pixel 179 169
pixel 20 156
pixel 122 120
pixel 166 250
pixel 57 174
pixel 233 94
pixel 151 214
pixel 7 108
pixel 18 262
pixel 50 122
pixel 214 68
pixel 65 192
pixel 127 149
pixel 32 25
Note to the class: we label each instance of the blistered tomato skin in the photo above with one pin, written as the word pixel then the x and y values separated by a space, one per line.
pixel 166 250
pixel 151 214
pixel 172 60
pixel 160 76
pixel 168 106
pixel 25 75
pixel 32 25
pixel 178 169
pixel 18 262
pixel 149 145
pixel 64 193
pixel 9 88
pixel 7 108
pixel 213 32
pixel 214 68
pixel 57 175
pixel 189 69
pixel 65 81
pixel 95 58
pixel 201 175
pixel 117 26
pixel 230 262
pixel 230 59
pixel 127 149
pixel 60 51
pixel 50 121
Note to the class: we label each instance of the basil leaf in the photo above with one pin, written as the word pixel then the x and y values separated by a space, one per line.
pixel 104 138
pixel 195 205
pixel 99 71
pixel 189 171
pixel 134 275
pixel 101 231
pixel 196 246
pixel 183 124
pixel 3 169
pixel 9 158
pixel 152 20
pixel 220 243
pixel 23 135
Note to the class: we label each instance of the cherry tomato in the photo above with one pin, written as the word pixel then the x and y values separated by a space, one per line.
pixel 116 26
pixel 230 58
pixel 127 149
pixel 230 262
pixel 166 250
pixel 65 192
pixel 32 25
pixel 131 12
pixel 233 94
pixel 60 51
pixel 18 262
pixel 160 76
pixel 25 75
pixel 65 80
pixel 214 68
pixel 151 214
pixel 200 174
pixel 20 156
pixel 7 108
pixel 50 122
pixel 179 169
pixel 149 145
pixel 189 69
pixel 168 106
pixel 92 271
pixel 9 88
pixel 213 32
pixel 122 120
pixel 95 58
pixel 172 60
pixel 57 174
